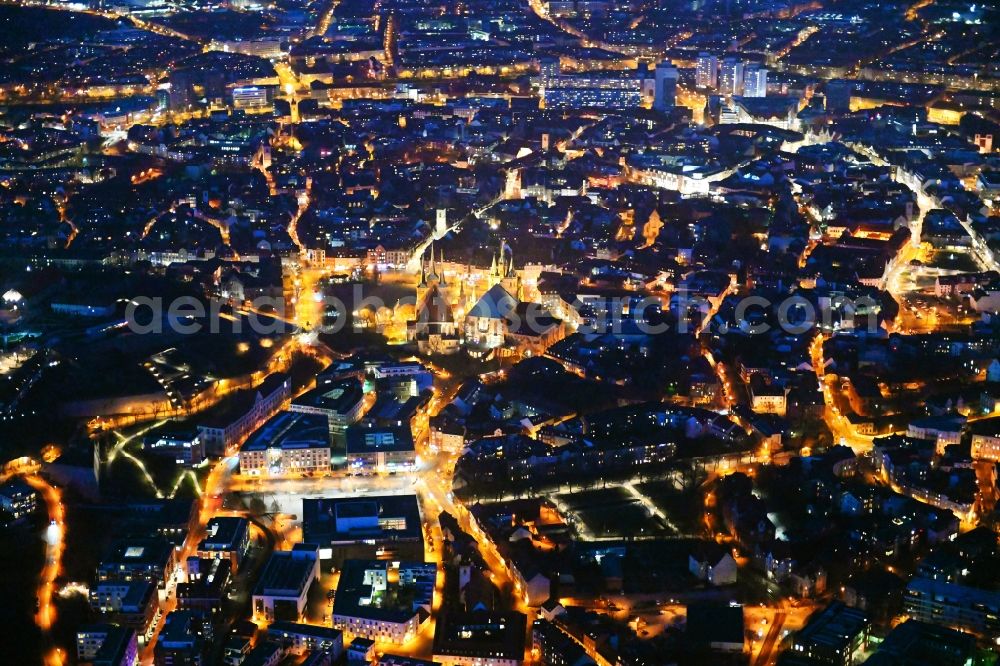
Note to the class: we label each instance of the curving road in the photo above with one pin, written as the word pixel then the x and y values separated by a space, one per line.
pixel 54 548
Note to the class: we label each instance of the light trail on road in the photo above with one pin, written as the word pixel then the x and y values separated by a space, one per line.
pixel 55 547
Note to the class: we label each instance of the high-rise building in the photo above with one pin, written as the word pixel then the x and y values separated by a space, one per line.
pixel 594 89
pixel 251 97
pixel 731 76
pixel 665 95
pixel 548 70
pixel 163 97
pixel 707 72
pixel 754 81
pixel 838 94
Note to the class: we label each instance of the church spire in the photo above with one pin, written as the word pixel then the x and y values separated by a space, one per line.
pixel 433 274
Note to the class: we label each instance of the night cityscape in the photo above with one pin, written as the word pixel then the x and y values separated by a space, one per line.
pixel 499 333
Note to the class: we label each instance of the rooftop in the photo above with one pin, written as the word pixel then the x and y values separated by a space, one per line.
pixel 362 440
pixel 384 591
pixel 224 533
pixel 345 519
pixel 281 629
pixel 138 552
pixel 714 623
pixel 337 396
pixel 481 634
pixel 836 626
pixel 287 573
pixel 290 430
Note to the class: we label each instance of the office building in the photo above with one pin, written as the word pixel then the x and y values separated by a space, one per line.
pixel 283 588
pixel 707 71
pixel 263 47
pixel 226 537
pixel 925 643
pixel 480 639
pixel 384 601
pixel 130 604
pixel 151 559
pixel 715 627
pixel 373 448
pixel 601 89
pixel 388 659
pixel 184 447
pixel 290 443
pixel 183 641
pixel 548 70
pixel 364 527
pixel 252 98
pixel 120 648
pixel 207 584
pixel 731 76
pixel 953 605
pixel 18 500
pixel 665 94
pixel 838 94
pixel 221 430
pixel 107 645
pixel 302 638
pixel 341 401
pixel 754 81
pixel 836 635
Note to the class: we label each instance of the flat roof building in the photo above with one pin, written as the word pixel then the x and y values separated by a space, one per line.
pixel 480 639
pixel 226 537
pixel 184 447
pixel 222 429
pixel 150 558
pixel 107 645
pixel 182 641
pixel 120 648
pixel 955 605
pixel 925 643
pixel 715 626
pixel 388 659
pixel 836 635
pixel 302 638
pixel 289 443
pixel 132 604
pixel 18 499
pixel 341 401
pixel 380 448
pixel 207 582
pixel 384 601
pixel 282 590
pixel 365 527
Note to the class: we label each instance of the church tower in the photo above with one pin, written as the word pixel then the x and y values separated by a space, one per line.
pixel 422 286
pixel 441 279
pixel 509 278
pixel 427 280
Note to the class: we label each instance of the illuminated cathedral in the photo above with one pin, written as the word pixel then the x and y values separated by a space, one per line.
pixel 452 313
